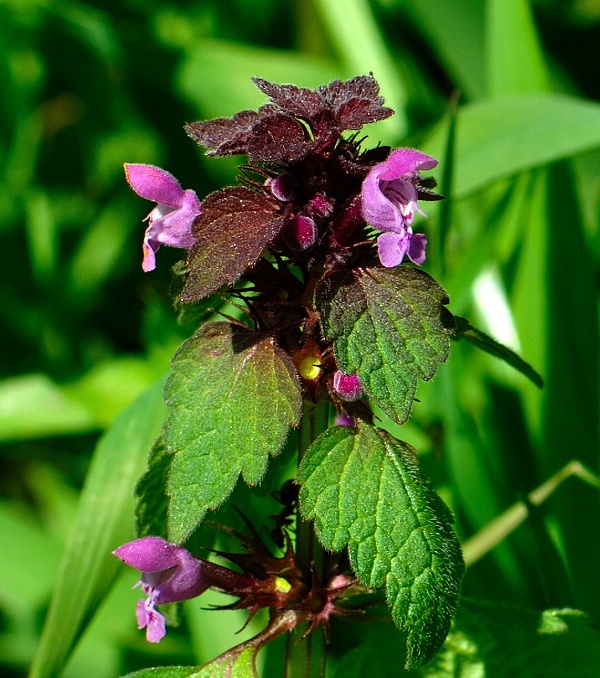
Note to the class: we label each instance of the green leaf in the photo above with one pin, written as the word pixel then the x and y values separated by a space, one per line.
pixel 33 406
pixel 521 68
pixel 364 490
pixel 495 639
pixel 102 523
pixel 389 326
pixel 166 672
pixel 464 330
pixel 232 664
pixel 234 395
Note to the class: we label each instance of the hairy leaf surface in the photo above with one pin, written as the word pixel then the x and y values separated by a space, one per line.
pixel 234 395
pixel 235 226
pixel 364 490
pixel 390 326
pixel 229 665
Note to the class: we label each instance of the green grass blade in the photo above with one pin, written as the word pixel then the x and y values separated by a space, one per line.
pixel 520 68
pixel 572 403
pixel 104 520
pixel 503 137
pixel 440 23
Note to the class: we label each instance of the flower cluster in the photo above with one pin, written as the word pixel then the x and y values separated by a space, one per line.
pixel 312 203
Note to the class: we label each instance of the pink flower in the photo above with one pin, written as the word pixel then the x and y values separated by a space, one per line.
pixel 170 573
pixel 347 386
pixel 171 221
pixel 389 202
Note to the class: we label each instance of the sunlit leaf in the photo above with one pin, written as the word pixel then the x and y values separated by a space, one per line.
pixel 502 137
pixel 365 492
pixel 389 326
pixel 234 395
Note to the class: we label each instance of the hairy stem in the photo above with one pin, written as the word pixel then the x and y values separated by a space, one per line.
pixel 305 656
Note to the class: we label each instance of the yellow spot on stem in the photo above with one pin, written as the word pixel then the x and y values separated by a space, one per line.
pixel 310 367
pixel 282 585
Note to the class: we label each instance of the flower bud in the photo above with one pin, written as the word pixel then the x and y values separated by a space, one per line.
pixel 321 205
pixel 282 187
pixel 301 233
pixel 347 386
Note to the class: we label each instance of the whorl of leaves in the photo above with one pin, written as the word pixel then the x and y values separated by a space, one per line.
pixel 275 132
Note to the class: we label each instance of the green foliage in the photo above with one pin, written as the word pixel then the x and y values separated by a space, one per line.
pixel 234 396
pixel 88 86
pixel 500 640
pixel 364 490
pixel 165 672
pixel 399 315
pixel 464 330
pixel 528 132
pixel 489 639
pixel 153 502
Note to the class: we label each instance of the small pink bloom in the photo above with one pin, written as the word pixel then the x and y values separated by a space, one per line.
pixel 171 221
pixel 170 573
pixel 348 386
pixel 389 202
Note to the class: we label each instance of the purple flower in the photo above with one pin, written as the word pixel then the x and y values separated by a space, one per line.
pixel 389 202
pixel 170 222
pixel 170 573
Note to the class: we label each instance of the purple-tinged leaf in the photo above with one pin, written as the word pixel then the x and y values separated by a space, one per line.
pixel 235 227
pixel 340 105
pixel 298 101
pixel 226 136
pixel 355 102
pixel 278 137
pixel 390 327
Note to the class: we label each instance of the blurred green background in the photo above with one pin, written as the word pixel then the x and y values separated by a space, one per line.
pixel 87 86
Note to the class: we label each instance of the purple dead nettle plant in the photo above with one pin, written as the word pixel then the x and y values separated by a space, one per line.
pixel 316 250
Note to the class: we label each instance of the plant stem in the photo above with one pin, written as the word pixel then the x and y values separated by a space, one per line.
pixel 305 656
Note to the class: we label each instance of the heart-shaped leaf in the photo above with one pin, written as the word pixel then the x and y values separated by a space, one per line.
pixel 364 490
pixel 235 226
pixel 234 395
pixel 390 326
